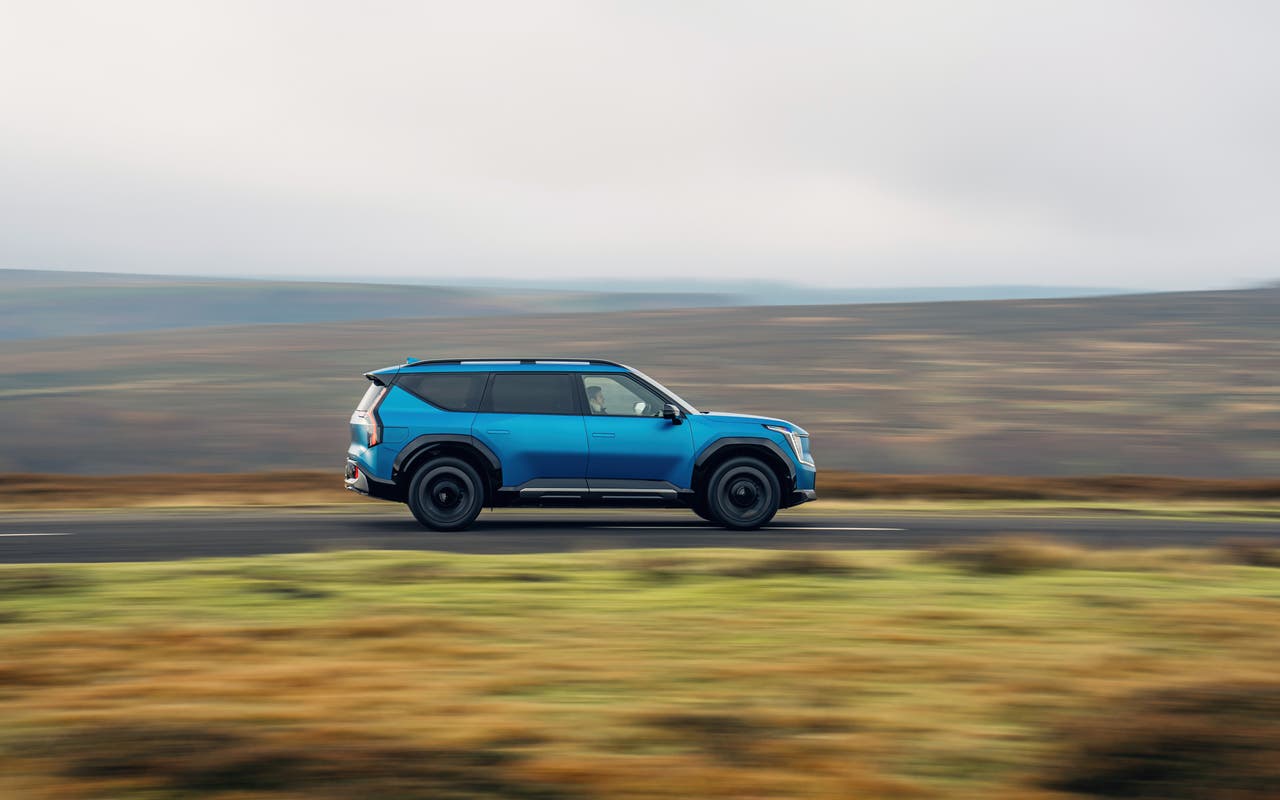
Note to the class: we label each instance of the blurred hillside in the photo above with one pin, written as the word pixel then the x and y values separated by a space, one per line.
pixel 37 304
pixel 1176 384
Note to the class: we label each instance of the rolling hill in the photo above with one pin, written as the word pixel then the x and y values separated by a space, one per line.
pixel 37 304
pixel 1177 384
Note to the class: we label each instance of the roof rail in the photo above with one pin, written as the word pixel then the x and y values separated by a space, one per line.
pixel 418 362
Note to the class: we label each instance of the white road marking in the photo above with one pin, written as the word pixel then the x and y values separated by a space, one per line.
pixel 37 534
pixel 713 528
pixel 835 529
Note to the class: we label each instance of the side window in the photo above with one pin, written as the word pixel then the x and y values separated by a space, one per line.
pixel 452 391
pixel 620 396
pixel 531 393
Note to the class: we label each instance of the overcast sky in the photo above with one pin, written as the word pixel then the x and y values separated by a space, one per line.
pixel 891 143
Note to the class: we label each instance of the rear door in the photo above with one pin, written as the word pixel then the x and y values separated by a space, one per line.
pixel 632 447
pixel 532 422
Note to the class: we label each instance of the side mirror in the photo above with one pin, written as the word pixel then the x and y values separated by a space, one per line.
pixel 672 412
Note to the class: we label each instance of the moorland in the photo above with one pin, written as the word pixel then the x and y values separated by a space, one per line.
pixel 1182 384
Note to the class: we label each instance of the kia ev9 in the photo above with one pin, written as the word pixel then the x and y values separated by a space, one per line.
pixel 451 436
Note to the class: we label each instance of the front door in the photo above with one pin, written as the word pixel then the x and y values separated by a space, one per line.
pixel 629 443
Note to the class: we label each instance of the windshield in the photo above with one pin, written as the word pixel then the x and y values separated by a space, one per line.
pixel 664 390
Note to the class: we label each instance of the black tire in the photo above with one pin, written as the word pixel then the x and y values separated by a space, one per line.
pixel 446 494
pixel 699 507
pixel 743 494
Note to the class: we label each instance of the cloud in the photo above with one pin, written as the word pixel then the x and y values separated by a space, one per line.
pixel 839 143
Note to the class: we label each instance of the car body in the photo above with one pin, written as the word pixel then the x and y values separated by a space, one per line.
pixel 450 436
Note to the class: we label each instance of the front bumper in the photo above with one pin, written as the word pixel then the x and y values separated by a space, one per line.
pixel 799 496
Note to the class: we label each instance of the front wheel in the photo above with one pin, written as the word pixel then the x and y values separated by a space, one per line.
pixel 446 494
pixel 743 494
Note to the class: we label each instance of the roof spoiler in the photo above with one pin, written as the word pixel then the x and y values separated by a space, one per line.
pixel 382 377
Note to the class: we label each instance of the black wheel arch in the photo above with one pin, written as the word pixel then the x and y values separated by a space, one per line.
pixel 766 450
pixel 458 445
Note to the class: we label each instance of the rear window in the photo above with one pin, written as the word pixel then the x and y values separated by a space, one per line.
pixel 452 391
pixel 370 395
pixel 531 393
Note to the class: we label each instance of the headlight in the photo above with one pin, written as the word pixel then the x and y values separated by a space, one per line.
pixel 793 439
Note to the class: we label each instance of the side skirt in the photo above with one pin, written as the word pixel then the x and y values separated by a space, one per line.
pixel 568 492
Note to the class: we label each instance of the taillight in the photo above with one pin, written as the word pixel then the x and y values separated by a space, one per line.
pixel 373 425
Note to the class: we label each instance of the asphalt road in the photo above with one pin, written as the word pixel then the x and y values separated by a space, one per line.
pixel 160 535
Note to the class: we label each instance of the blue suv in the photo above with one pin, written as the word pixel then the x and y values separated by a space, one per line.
pixel 451 436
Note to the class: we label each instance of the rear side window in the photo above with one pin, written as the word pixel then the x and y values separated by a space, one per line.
pixel 452 391
pixel 531 393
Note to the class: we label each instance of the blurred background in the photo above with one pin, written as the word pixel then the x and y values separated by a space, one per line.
pixel 213 209
pixel 1178 384
pixel 993 239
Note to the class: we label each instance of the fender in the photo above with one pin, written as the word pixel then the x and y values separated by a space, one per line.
pixel 755 441
pixel 430 440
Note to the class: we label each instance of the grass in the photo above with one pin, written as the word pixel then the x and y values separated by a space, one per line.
pixel 1031 488
pixel 1024 669
pixel 854 492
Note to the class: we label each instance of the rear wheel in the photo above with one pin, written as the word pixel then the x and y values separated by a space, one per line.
pixel 743 494
pixel 446 494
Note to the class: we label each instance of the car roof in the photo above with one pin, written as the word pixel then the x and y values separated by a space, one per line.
pixel 507 365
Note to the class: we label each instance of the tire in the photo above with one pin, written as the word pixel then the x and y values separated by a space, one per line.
pixel 446 494
pixel 743 494
pixel 699 507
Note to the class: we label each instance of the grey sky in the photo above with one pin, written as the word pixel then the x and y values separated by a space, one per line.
pixel 844 143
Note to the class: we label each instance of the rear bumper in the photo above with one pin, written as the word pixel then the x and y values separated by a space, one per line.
pixel 357 480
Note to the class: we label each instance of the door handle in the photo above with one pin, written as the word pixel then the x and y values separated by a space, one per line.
pixel 602 435
pixel 497 431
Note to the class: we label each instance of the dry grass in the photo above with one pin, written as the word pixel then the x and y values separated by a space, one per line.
pixel 1028 553
pixel 749 675
pixel 773 565
pixel 286 488
pixel 201 760
pixel 1207 741
pixel 1252 552
pixel 1008 555
pixel 1000 487
pixel 311 487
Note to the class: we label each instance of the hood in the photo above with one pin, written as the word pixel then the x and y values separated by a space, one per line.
pixel 748 419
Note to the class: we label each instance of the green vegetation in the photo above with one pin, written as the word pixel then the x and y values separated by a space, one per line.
pixel 1004 669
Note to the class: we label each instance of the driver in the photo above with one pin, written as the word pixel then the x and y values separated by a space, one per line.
pixel 595 396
